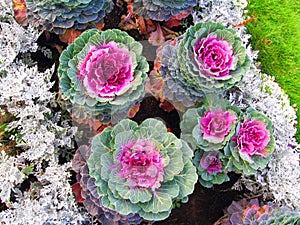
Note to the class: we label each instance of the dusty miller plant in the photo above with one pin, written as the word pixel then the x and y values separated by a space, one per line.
pixel 26 94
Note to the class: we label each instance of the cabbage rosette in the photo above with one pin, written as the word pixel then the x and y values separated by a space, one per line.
pixel 210 126
pixel 208 58
pixel 210 167
pixel 208 129
pixel 102 75
pixel 141 169
pixel 58 15
pixel 251 147
pixel 161 10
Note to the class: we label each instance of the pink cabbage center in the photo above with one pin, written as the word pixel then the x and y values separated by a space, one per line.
pixel 215 56
pixel 210 161
pixel 215 125
pixel 106 70
pixel 141 164
pixel 253 138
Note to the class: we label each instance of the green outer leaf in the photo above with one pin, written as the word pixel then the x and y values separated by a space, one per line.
pixel 125 125
pixel 186 180
pixel 169 187
pixel 101 143
pixel 189 120
pixel 152 128
pixel 135 195
pixel 175 158
pixel 106 163
pixel 155 216
pixel 188 153
pixel 206 184
pixel 125 207
pixel 160 202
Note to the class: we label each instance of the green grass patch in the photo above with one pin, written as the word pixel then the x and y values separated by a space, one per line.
pixel 276 34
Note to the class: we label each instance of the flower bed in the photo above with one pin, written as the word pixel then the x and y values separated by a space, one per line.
pixel 215 117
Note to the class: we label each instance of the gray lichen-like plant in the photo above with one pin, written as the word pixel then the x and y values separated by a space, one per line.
pixel 208 129
pixel 58 15
pixel 251 147
pixel 208 58
pixel 161 10
pixel 91 198
pixel 102 75
pixel 141 168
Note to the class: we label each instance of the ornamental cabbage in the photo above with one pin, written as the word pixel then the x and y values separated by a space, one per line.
pixel 210 168
pixel 90 196
pixel 244 212
pixel 161 10
pixel 210 126
pixel 207 58
pixel 251 212
pixel 102 75
pixel 141 169
pixel 282 215
pixel 252 145
pixel 208 129
pixel 58 15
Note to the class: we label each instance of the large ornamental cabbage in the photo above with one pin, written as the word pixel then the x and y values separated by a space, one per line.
pixel 252 145
pixel 102 75
pixel 161 10
pixel 59 15
pixel 141 169
pixel 91 198
pixel 208 129
pixel 208 58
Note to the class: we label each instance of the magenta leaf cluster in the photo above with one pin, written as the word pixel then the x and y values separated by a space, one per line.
pixel 107 70
pixel 215 56
pixel 215 125
pixel 142 164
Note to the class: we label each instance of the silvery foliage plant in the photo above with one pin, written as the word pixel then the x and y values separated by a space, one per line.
pixel 26 94
pixel 13 38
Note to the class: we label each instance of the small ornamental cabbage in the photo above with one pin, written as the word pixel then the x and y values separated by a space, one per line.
pixel 245 212
pixel 208 129
pixel 89 196
pixel 252 212
pixel 58 15
pixel 252 145
pixel 102 75
pixel 210 168
pixel 141 169
pixel 161 10
pixel 210 126
pixel 208 58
